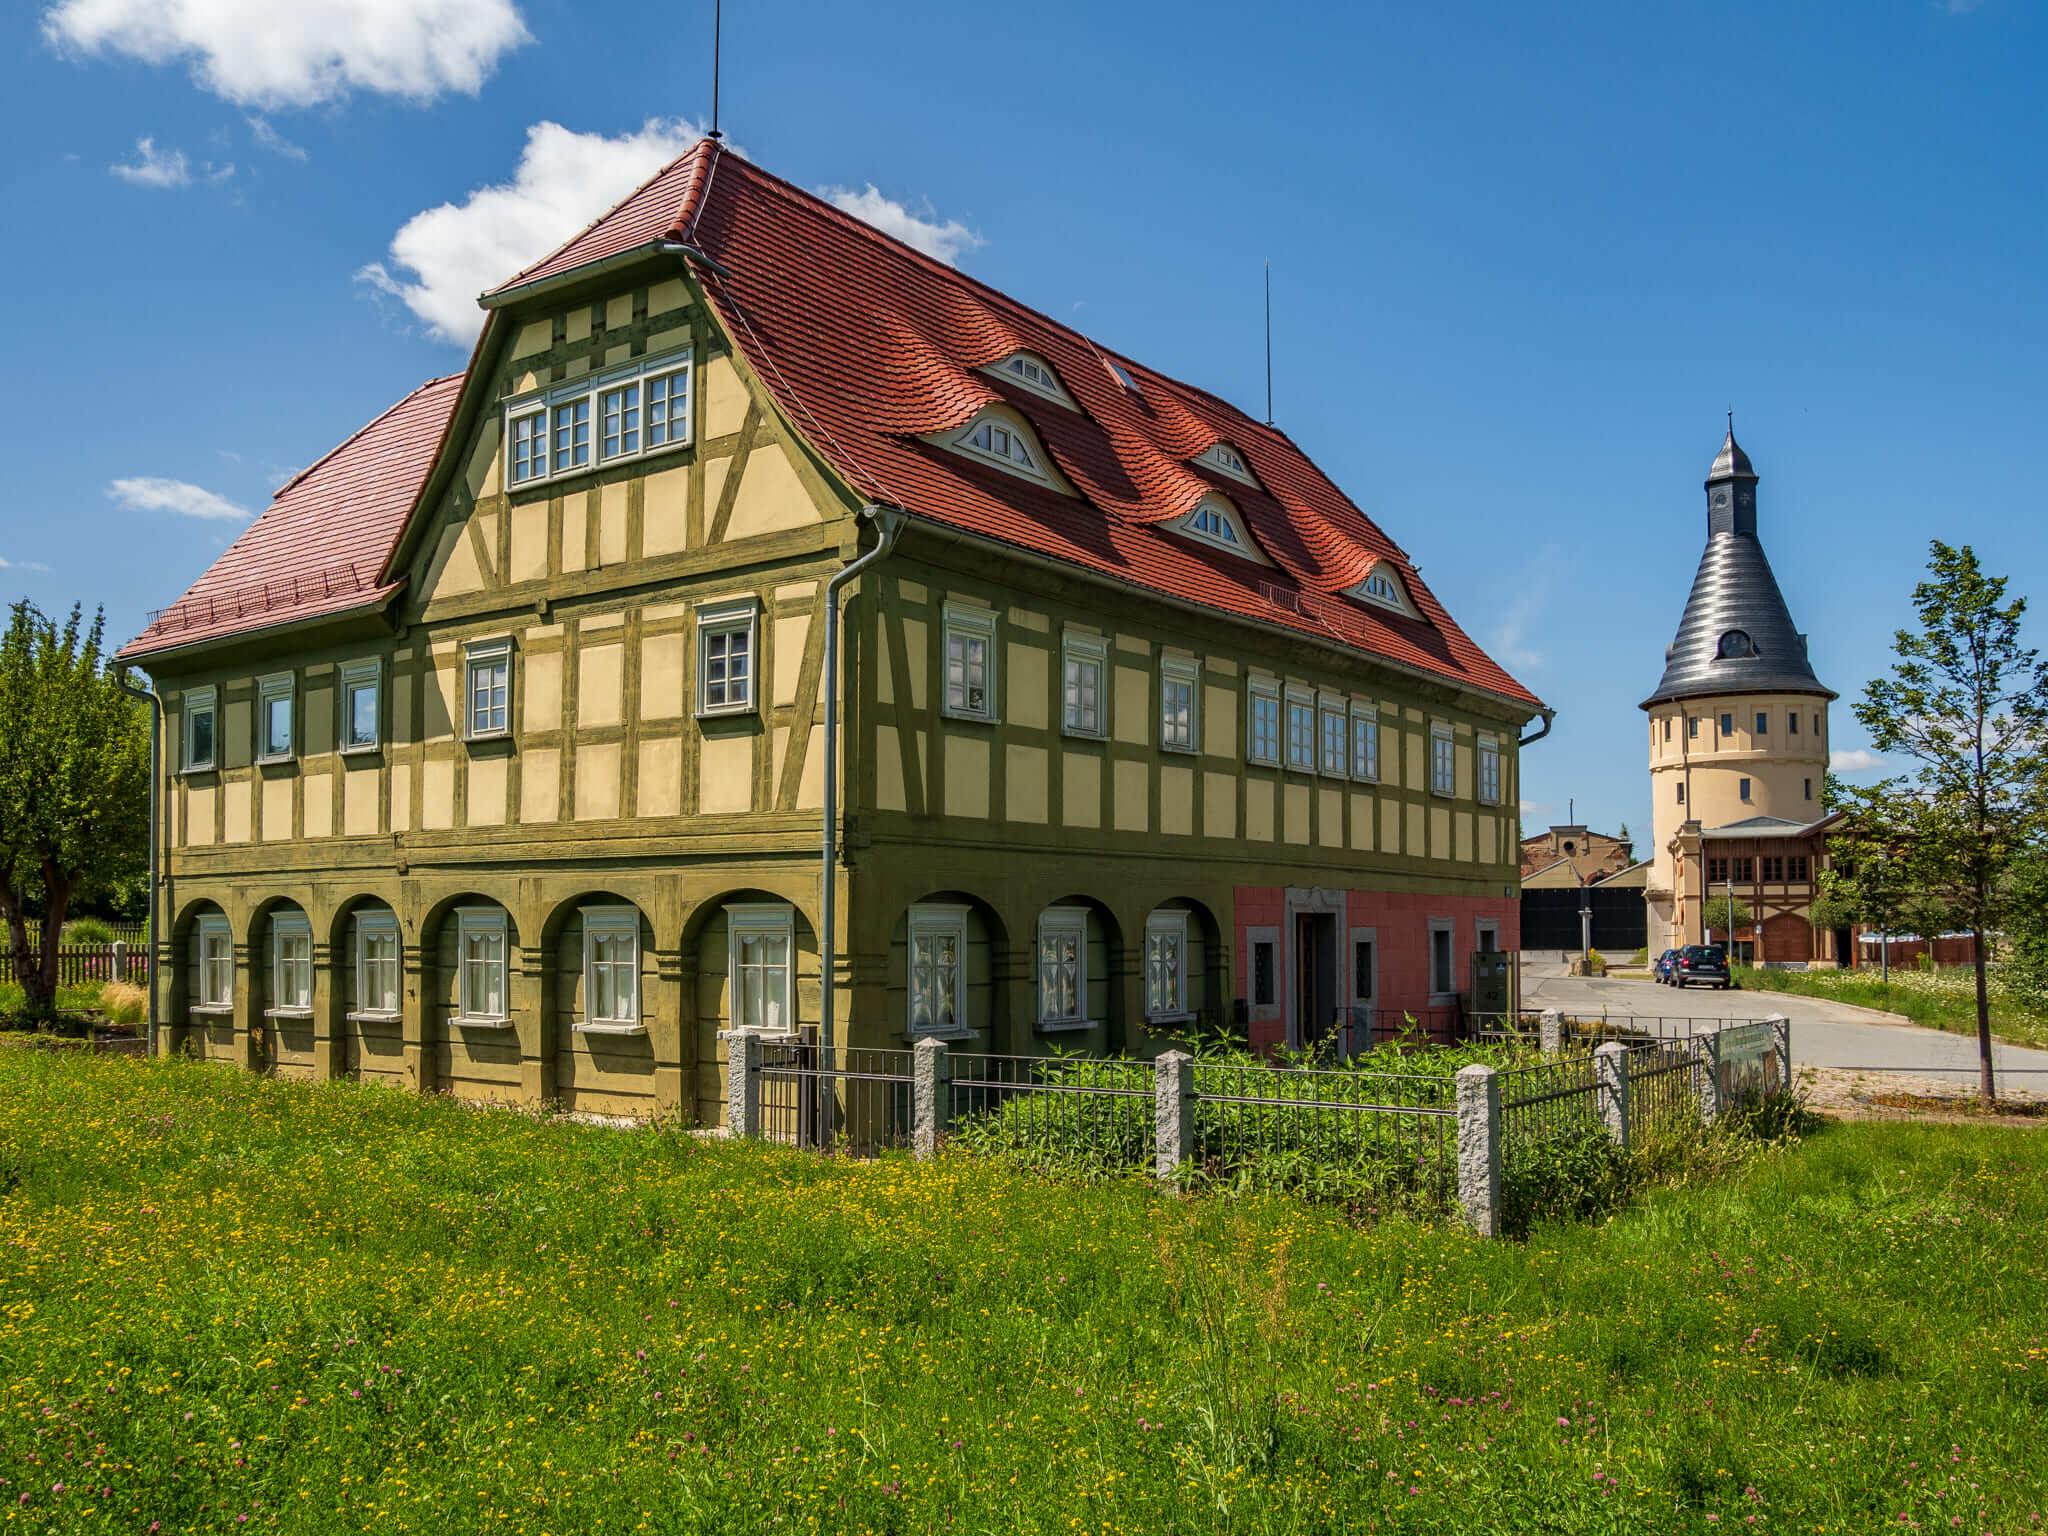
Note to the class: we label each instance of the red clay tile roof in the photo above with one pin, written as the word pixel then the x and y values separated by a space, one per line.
pixel 868 346
pixel 321 545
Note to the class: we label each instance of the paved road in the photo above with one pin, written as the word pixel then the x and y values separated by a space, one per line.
pixel 1824 1034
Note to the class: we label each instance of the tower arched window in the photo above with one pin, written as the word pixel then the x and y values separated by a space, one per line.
pixel 1735 643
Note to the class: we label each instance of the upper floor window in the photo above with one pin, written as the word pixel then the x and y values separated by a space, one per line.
pixel 1262 722
pixel 1301 731
pixel 970 662
pixel 1365 743
pixel 938 970
pixel 275 710
pixel 611 965
pixel 1223 457
pixel 760 941
pixel 1727 726
pixel 1742 790
pixel 1383 588
pixel 1443 761
pixel 1791 723
pixel 482 936
pixel 1763 723
pixel 362 705
pixel 1215 521
pixel 291 963
pixel 1035 374
pixel 617 413
pixel 487 688
pixel 202 725
pixel 1335 747
pixel 1489 770
pixel 1084 658
pixel 1179 703
pixel 725 657
pixel 1692 727
pixel 1002 443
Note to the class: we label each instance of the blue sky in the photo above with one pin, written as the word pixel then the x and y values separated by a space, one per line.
pixel 1522 263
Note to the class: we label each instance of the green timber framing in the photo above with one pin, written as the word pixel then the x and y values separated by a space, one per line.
pixel 611 791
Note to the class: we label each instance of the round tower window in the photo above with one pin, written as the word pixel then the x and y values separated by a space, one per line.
pixel 1735 642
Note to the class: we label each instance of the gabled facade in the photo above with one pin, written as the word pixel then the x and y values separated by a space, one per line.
pixel 498 758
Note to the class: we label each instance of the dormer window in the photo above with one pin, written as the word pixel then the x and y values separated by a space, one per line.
pixel 1225 459
pixel 1002 443
pixel 1383 588
pixel 1735 643
pixel 1035 374
pixel 1215 521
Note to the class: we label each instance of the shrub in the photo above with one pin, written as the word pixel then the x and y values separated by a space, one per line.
pixel 88 931
pixel 124 1003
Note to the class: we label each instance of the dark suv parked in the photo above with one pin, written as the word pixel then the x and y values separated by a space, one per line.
pixel 1706 964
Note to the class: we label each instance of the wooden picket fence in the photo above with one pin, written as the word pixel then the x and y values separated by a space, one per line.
pixel 77 964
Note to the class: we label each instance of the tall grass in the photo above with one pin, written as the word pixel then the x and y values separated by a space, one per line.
pixel 1944 998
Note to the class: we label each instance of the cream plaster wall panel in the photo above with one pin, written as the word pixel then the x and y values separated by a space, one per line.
pixel 235 817
pixel 725 397
pixel 611 523
pixel 534 336
pixel 715 471
pixel 1411 832
pixel 725 774
pixel 660 787
pixel 771 499
pixel 530 541
pixel 1414 765
pixel 1133 706
pixel 401 798
pixel 277 809
pixel 238 733
pixel 1025 702
pixel 1131 805
pixel 1026 790
pixel 1462 756
pixel 914 661
pixel 597 781
pixel 458 572
pixel 790 635
pixel 1461 837
pixel 1029 620
pixel 1390 826
pixel 486 521
pixel 810 784
pixel 618 312
pixel 437 795
pixel 913 592
pixel 1362 820
pixel 1391 754
pixel 666 295
pixel 360 789
pixel 541 704
pixel 665 511
pixel 575 531
pixel 600 677
pixel 486 790
pixel 1219 804
pixel 796 591
pixel 1081 789
pixel 967 775
pixel 577 327
pixel 1488 831
pixel 661 677
pixel 1258 810
pixel 540 785
pixel 1176 800
pixel 1219 723
pixel 1439 846
pixel 778 746
pixel 1330 816
pixel 674 339
pixel 889 770
pixel 319 806
pixel 1294 809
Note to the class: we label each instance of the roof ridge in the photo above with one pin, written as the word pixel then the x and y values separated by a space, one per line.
pixel 396 405
pixel 666 166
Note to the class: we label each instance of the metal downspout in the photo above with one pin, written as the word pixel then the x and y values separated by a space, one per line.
pixel 156 929
pixel 888 522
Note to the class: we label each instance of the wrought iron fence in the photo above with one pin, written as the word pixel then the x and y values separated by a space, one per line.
pixel 1388 1134
pixel 1550 1098
pixel 1663 1089
pixel 1361 1029
pixel 1087 1112
pixel 853 1100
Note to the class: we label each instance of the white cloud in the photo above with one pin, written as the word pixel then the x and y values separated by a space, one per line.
pixel 258 53
pixel 1854 760
pixel 269 138
pixel 154 167
pixel 443 258
pixel 946 241
pixel 22 565
pixel 152 493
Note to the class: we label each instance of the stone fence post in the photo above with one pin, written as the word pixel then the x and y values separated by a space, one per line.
pixel 1610 1089
pixel 117 966
pixel 931 1097
pixel 742 1082
pixel 1173 1108
pixel 1550 1027
pixel 1479 1148
pixel 1781 1039
pixel 1707 1053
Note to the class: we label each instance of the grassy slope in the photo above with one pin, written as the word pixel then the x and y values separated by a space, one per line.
pixel 1944 999
pixel 342 1309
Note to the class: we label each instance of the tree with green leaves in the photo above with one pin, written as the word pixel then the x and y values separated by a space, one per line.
pixel 1722 913
pixel 1967 705
pixel 74 784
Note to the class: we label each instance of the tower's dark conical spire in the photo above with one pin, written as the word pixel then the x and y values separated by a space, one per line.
pixel 1736 635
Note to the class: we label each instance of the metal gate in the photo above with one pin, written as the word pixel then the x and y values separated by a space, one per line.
pixel 1621 919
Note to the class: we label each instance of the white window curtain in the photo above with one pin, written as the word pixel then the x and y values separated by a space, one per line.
pixel 1062 965
pixel 377 963
pixel 291 963
pixel 760 945
pixel 481 938
pixel 938 970
pixel 1166 973
pixel 611 965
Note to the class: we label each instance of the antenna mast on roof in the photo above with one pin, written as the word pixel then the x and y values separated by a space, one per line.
pixel 717 31
pixel 1269 341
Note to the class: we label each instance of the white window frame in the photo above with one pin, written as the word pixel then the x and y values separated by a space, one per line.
pixel 1298 749
pixel 559 400
pixel 1365 743
pixel 1333 738
pixel 270 690
pixel 619 925
pixel 1371 997
pixel 1445 925
pixel 196 702
pixel 761 920
pixel 208 931
pixel 1177 672
pixel 295 928
pixel 378 925
pixel 739 616
pixel 1027 370
pixel 1225 459
pixel 1263 690
pixel 929 922
pixel 1167 922
pixel 1063 923
pixel 1443 759
pixel 1025 456
pixel 1235 538
pixel 483 923
pixel 1488 778
pixel 478 656
pixel 355 677
pixel 970 622
pixel 1079 653
pixel 1382 587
